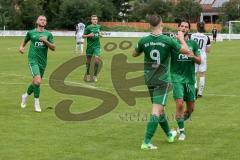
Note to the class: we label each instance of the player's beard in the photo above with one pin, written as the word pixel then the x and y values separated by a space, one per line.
pixel 42 26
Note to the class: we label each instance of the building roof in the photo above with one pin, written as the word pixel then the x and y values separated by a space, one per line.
pixel 211 5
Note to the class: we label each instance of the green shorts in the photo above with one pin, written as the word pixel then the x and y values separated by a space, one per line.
pixel 184 91
pixel 36 70
pixel 159 94
pixel 93 51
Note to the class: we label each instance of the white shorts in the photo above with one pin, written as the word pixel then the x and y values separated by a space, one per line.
pixel 203 66
pixel 79 39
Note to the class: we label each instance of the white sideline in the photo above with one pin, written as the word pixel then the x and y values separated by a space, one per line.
pixel 13 33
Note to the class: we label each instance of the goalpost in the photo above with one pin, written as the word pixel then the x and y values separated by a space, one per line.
pixel 233 29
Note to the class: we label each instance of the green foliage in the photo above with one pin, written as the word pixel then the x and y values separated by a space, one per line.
pixel 231 10
pixel 141 9
pixel 224 29
pixel 236 28
pixel 188 10
pixel 30 10
pixel 71 12
pixel 124 29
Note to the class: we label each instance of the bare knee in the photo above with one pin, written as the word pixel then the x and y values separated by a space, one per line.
pixel 37 80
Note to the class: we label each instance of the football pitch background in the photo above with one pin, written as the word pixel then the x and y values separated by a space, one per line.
pixel 212 133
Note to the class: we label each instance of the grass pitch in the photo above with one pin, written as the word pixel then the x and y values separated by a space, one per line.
pixel 213 132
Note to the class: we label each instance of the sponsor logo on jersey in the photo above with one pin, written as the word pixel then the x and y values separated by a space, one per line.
pixel 39 44
pixel 183 57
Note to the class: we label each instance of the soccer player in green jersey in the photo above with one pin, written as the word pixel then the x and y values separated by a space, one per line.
pixel 41 40
pixel 183 79
pixel 92 33
pixel 157 49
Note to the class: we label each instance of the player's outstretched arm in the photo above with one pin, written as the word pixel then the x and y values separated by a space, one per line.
pixel 88 35
pixel 50 45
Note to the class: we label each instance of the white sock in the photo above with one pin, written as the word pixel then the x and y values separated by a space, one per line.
pixel 201 85
pixel 25 95
pixel 36 100
pixel 76 48
pixel 81 48
pixel 196 81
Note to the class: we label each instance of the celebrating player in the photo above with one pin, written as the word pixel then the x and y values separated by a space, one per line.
pixel 79 39
pixel 204 46
pixel 157 49
pixel 183 78
pixel 92 33
pixel 41 40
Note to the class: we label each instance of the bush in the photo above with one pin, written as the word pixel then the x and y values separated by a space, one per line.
pixel 124 29
pixel 224 29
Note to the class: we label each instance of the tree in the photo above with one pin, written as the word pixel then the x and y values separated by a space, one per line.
pixel 71 12
pixel 231 10
pixel 109 11
pixel 52 10
pixel 187 9
pixel 10 14
pixel 160 7
pixel 30 10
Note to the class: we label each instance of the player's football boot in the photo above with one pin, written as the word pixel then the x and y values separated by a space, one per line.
pixel 182 137
pixel 148 146
pixel 24 101
pixel 172 136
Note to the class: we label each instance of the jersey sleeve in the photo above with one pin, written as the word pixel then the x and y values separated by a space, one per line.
pixel 27 37
pixel 139 47
pixel 208 41
pixel 50 38
pixel 175 45
pixel 196 49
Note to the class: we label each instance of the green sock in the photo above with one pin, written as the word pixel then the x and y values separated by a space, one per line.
pixel 30 89
pixel 96 65
pixel 180 122
pixel 36 91
pixel 88 68
pixel 164 124
pixel 186 116
pixel 151 128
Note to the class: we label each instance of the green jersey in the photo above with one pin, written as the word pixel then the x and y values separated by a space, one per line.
pixel 93 42
pixel 157 52
pixel 183 67
pixel 38 50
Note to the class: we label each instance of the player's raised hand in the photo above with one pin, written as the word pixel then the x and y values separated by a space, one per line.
pixel 190 54
pixel 43 39
pixel 180 35
pixel 91 35
pixel 21 49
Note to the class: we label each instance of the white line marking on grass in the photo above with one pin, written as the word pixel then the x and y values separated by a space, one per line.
pixel 222 95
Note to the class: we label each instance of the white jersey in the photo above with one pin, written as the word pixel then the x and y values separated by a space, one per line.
pixel 80 27
pixel 202 40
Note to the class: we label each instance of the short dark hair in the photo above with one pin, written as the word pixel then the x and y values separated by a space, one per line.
pixel 201 27
pixel 181 21
pixel 154 19
pixel 94 16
